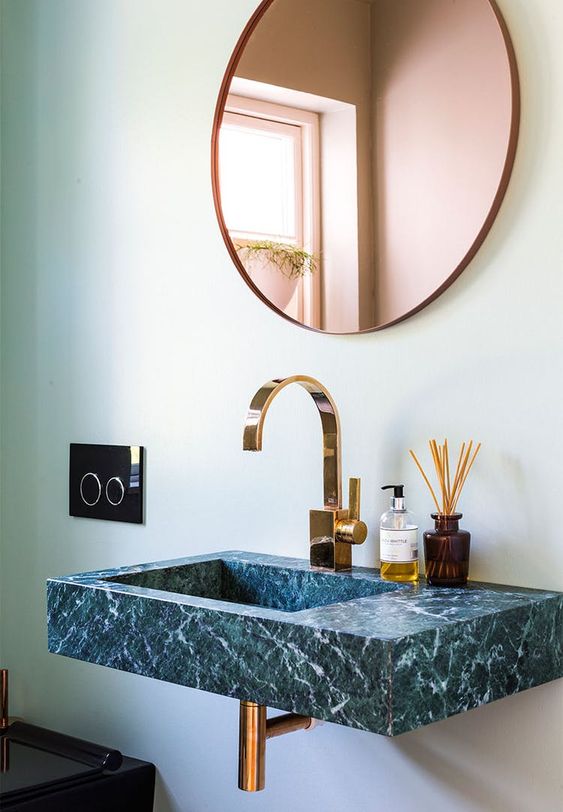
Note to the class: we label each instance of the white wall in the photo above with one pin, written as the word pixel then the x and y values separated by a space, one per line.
pixel 123 321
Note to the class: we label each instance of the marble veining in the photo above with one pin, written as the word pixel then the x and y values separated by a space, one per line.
pixel 345 647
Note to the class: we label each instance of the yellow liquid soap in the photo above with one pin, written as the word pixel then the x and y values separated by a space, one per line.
pixel 402 571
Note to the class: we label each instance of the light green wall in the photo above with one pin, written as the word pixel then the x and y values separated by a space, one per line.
pixel 124 321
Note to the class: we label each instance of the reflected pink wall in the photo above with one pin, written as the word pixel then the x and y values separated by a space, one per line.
pixel 442 123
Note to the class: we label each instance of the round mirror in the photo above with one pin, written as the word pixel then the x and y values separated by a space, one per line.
pixel 361 151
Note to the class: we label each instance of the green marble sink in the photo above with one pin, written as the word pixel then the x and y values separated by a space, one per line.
pixel 346 647
pixel 255 584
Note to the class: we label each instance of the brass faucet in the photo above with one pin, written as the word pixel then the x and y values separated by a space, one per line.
pixel 332 530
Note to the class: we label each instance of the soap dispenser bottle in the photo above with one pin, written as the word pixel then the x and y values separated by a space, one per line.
pixel 398 538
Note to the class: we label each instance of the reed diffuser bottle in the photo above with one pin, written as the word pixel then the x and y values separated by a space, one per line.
pixel 446 548
pixel 446 551
pixel 398 538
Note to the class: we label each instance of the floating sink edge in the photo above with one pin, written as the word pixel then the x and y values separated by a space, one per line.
pixel 344 647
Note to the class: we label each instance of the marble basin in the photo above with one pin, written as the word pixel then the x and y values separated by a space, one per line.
pixel 255 584
pixel 345 647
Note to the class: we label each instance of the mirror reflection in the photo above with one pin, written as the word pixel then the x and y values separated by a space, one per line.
pixel 363 151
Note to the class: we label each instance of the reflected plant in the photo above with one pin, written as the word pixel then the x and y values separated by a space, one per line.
pixel 292 261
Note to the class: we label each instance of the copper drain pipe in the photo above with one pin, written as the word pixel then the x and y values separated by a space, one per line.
pixel 4 719
pixel 254 729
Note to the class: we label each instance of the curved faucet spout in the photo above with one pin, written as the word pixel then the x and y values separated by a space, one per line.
pixel 254 424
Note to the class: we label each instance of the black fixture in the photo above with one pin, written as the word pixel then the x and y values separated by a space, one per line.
pixel 45 771
pixel 106 482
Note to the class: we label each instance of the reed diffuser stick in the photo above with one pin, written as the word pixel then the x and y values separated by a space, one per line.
pixel 450 491
pixel 438 466
pixel 420 468
pixel 469 467
pixel 457 470
pixel 447 458
pixel 462 470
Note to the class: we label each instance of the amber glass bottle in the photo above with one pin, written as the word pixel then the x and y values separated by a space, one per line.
pixel 446 551
pixel 398 537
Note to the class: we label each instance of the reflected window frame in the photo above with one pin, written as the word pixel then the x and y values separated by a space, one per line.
pixel 259 113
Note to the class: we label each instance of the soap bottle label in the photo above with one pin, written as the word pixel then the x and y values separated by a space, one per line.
pixel 399 546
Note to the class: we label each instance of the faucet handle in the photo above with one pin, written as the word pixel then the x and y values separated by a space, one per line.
pixel 352 530
pixel 354 497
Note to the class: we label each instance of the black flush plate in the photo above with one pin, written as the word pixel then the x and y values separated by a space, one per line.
pixel 106 482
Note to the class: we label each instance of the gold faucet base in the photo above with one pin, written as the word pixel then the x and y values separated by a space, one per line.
pixel 332 532
pixel 326 552
pixel 254 729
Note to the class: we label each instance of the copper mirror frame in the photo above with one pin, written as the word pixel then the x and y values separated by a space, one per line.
pixel 481 235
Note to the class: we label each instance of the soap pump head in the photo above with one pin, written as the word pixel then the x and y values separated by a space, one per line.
pixel 398 498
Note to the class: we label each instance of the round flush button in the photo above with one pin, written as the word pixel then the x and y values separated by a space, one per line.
pixel 90 489
pixel 115 491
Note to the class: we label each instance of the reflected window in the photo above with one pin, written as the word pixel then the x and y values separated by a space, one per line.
pixel 261 184
pixel 269 170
